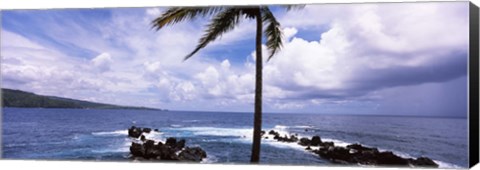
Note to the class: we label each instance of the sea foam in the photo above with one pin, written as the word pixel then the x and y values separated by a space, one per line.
pixel 111 133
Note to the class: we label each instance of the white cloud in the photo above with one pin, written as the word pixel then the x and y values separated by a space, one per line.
pixel 378 42
pixel 102 62
pixel 139 63
pixel 154 12
pixel 289 32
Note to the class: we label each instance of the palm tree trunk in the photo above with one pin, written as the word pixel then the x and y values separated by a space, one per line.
pixel 257 123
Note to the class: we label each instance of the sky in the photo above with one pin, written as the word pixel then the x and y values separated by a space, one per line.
pixel 377 58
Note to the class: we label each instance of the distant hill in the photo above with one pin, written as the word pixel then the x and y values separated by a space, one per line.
pixel 18 98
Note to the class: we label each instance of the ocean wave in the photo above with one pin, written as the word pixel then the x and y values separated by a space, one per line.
pixel 175 125
pixel 244 135
pixel 34 144
pixel 280 127
pixel 111 133
pixel 446 165
pixel 215 131
pixel 292 127
pixel 112 150
pixel 153 135
pixel 209 159
pixel 190 121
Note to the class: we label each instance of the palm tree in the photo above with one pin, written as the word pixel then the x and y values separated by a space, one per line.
pixel 225 19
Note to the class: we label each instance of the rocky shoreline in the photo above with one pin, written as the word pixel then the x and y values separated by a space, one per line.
pixel 171 150
pixel 353 154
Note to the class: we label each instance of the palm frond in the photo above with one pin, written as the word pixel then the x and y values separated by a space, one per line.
pixel 293 7
pixel 220 24
pixel 273 32
pixel 178 14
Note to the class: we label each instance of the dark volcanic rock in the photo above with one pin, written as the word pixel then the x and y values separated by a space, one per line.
pixel 293 138
pixel 172 150
pixel 151 151
pixel 388 158
pixel 137 149
pixel 336 153
pixel 361 148
pixel 134 132
pixel 354 153
pixel 172 142
pixel 272 132
pixel 146 130
pixel 327 144
pixel 180 144
pixel 316 141
pixel 149 144
pixel 305 142
pixel 424 162
pixel 192 154
pixel 285 138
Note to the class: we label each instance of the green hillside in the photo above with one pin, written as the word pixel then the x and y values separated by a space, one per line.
pixel 18 98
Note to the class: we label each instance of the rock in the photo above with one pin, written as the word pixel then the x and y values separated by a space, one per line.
pixel 316 141
pixel 156 130
pixel 285 138
pixel 327 144
pixel 134 132
pixel 293 138
pixel 304 142
pixel 335 154
pixel 180 144
pixel 388 158
pixel 146 130
pixel 262 133
pixel 192 154
pixel 151 151
pixel 165 152
pixel 272 132
pixel 170 151
pixel 149 144
pixel 137 149
pixel 358 154
pixel 361 148
pixel 172 142
pixel 424 162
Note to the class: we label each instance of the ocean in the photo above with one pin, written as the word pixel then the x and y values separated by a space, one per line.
pixel 88 134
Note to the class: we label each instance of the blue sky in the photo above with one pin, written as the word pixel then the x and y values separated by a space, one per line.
pixel 390 58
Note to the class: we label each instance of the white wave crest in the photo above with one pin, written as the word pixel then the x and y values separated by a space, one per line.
pixel 288 127
pixel 156 136
pixel 446 165
pixel 111 133
pixel 280 127
pixel 112 150
pixel 215 131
